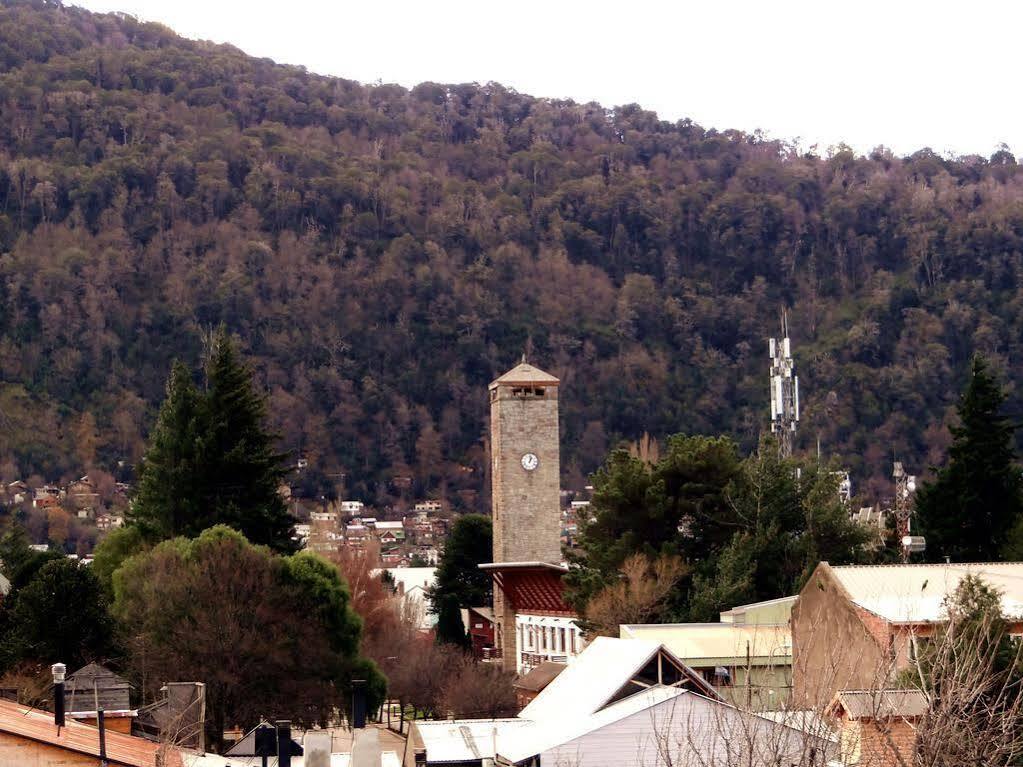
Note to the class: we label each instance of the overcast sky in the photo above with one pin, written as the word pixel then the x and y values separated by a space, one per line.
pixel 903 73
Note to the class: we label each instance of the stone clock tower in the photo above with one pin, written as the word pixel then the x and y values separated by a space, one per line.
pixel 525 469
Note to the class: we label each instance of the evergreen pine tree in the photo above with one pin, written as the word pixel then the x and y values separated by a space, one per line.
pixel 969 512
pixel 211 461
pixel 460 583
pixel 244 470
pixel 167 503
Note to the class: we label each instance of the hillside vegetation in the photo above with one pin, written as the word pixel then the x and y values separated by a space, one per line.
pixel 383 253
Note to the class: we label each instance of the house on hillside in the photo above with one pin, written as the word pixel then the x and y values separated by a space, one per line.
pixel 623 703
pixel 855 627
pixel 411 585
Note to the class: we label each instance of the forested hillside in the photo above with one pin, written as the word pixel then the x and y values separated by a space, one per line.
pixel 383 253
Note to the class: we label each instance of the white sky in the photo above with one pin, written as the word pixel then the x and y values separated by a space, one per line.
pixel 903 73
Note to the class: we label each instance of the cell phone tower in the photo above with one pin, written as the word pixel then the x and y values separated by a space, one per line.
pixel 784 390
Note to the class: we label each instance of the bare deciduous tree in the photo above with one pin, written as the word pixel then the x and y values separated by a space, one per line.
pixel 644 585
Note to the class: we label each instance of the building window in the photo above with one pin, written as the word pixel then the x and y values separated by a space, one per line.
pixel 571 638
pixel 561 637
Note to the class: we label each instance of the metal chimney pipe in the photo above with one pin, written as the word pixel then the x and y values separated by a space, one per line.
pixel 59 671
pixel 101 723
pixel 283 743
pixel 358 703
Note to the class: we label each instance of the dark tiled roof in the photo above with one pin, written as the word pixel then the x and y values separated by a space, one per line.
pixel 539 677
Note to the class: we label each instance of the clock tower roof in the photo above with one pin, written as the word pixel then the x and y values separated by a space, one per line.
pixel 525 374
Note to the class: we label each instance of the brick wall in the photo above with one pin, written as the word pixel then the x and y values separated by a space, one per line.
pixel 881 743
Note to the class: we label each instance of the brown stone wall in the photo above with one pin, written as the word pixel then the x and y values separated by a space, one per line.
pixel 526 504
pixel 832 649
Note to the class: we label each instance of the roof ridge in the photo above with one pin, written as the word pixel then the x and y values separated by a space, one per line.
pixel 892 565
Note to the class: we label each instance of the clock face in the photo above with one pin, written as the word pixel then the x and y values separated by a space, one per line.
pixel 530 462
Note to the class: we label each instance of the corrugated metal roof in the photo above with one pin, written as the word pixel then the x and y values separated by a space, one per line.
pixel 595 676
pixel 543 735
pixel 707 642
pixel 916 593
pixel 464 740
pixel 123 749
pixel 881 704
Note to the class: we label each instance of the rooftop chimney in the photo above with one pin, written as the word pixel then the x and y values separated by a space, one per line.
pixel 283 743
pixel 358 703
pixel 59 671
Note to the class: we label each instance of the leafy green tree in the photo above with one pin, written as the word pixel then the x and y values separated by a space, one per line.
pixel 973 510
pixel 269 635
pixel 19 561
pixel 788 518
pixel 211 459
pixel 747 529
pixel 460 583
pixel 60 615
pixel 112 552
pixel 678 506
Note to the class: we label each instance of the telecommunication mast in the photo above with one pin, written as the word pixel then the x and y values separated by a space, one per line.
pixel 784 390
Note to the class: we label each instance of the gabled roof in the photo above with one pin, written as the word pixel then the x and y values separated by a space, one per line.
pixel 94 673
pixel 880 704
pixel 524 374
pixel 546 734
pixel 598 674
pixel 80 738
pixel 916 593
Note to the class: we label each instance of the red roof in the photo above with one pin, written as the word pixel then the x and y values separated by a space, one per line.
pixel 122 749
pixel 531 587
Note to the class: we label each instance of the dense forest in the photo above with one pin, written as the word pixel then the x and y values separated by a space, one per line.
pixel 382 253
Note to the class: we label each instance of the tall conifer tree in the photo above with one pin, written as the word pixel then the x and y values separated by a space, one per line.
pixel 245 470
pixel 970 510
pixel 211 460
pixel 167 503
